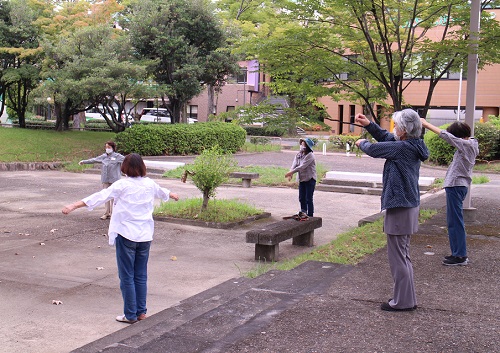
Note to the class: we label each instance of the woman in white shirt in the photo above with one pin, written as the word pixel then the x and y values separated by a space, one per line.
pixel 130 229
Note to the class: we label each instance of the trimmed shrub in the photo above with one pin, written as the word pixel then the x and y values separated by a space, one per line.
pixel 180 139
pixel 487 135
pixel 264 131
pixel 440 151
pixel 340 141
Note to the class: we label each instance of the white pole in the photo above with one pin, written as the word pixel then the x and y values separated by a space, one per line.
pixel 459 93
pixel 324 149
pixel 470 107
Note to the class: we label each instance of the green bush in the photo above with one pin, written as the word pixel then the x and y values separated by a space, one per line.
pixel 180 139
pixel 440 151
pixel 340 141
pixel 264 131
pixel 487 135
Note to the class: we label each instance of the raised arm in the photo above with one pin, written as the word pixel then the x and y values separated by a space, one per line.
pixel 429 126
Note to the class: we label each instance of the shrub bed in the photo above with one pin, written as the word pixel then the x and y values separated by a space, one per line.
pixel 180 139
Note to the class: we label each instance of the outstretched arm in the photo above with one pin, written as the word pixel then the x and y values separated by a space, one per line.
pixel 70 208
pixel 429 126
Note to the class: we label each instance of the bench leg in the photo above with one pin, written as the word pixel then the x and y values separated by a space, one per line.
pixel 268 253
pixel 306 239
pixel 246 182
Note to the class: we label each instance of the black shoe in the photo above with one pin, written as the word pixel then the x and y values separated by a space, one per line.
pixel 449 257
pixel 387 307
pixel 456 261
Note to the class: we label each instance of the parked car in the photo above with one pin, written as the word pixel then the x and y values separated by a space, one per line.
pixel 156 115
pixel 159 115
pixel 94 114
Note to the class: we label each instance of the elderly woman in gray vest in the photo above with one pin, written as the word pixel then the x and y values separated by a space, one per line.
pixel 403 151
pixel 110 171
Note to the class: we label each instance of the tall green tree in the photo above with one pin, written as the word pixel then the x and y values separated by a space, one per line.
pixel 182 38
pixel 370 51
pixel 93 68
pixel 20 55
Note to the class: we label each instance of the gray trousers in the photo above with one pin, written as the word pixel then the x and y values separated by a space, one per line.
pixel 398 252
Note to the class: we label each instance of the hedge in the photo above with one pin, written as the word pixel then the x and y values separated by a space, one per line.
pixel 180 139
pixel 487 135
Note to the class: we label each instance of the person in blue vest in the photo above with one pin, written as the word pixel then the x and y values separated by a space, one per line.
pixel 110 171
pixel 403 151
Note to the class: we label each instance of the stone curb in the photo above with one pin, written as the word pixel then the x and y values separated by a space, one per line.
pixel 217 225
pixel 19 166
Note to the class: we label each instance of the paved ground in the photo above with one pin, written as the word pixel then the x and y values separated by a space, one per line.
pixel 46 256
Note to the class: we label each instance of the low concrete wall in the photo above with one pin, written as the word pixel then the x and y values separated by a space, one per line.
pixel 17 166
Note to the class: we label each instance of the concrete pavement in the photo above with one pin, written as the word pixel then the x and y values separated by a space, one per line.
pixel 77 267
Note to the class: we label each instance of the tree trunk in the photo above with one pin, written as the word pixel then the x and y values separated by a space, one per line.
pixel 211 102
pixel 204 205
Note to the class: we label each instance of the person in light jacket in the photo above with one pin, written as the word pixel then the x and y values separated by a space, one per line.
pixel 304 164
pixel 131 230
pixel 403 151
pixel 110 171
pixel 456 184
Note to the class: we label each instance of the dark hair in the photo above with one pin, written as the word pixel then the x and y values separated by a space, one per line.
pixel 459 129
pixel 133 166
pixel 112 145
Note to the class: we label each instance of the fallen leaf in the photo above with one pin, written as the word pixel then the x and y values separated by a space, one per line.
pixel 99 268
pixel 56 302
pixel 428 246
pixel 173 258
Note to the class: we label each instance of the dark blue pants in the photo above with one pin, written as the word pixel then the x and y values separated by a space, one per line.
pixel 132 259
pixel 455 197
pixel 306 191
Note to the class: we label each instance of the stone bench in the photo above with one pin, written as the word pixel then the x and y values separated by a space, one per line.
pixel 267 239
pixel 246 178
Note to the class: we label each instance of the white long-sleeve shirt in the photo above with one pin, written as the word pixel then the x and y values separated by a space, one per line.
pixel 132 215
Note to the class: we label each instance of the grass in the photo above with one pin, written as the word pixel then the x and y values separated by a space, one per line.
pixel 348 248
pixel 221 211
pixel 25 145
pixel 493 166
pixel 476 179
pixel 268 176
pixel 252 147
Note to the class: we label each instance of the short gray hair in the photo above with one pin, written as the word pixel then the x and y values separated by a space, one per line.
pixel 408 121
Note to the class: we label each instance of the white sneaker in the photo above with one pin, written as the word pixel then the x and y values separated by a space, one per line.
pixel 123 318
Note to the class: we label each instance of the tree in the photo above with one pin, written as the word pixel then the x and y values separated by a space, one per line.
pixel 210 169
pixel 93 68
pixel 182 37
pixel 20 55
pixel 370 50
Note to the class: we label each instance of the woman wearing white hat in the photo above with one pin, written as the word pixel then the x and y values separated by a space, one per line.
pixel 304 164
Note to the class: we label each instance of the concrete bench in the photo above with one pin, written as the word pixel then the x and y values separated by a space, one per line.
pixel 246 178
pixel 267 239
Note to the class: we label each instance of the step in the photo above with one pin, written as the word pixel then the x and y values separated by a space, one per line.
pixel 423 182
pixel 223 315
pixel 349 189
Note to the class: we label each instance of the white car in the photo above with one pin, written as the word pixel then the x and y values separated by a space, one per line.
pixel 155 115
pixel 159 115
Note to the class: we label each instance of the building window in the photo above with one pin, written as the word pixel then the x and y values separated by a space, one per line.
pixel 193 112
pixel 242 75
pixel 229 108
